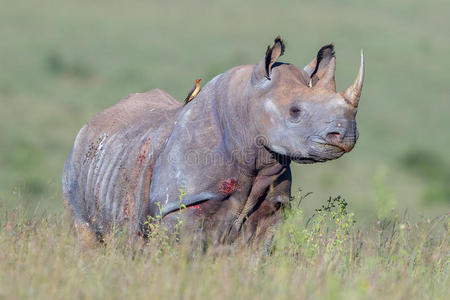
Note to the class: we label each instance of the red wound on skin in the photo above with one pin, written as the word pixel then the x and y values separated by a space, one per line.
pixel 197 208
pixel 143 151
pixel 229 186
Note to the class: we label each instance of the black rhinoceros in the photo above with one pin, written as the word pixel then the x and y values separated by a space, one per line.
pixel 222 161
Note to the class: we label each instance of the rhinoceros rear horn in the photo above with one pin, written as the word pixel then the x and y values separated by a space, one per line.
pixel 353 92
pixel 321 69
pixel 264 67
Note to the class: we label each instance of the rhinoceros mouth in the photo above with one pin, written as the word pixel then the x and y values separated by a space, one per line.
pixel 320 150
pixel 341 147
pixel 321 145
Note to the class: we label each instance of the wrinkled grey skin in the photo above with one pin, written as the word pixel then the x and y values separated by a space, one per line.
pixel 229 149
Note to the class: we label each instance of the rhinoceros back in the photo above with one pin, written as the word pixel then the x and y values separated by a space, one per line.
pixel 107 176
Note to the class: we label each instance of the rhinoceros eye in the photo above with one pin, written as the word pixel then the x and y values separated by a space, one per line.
pixel 295 111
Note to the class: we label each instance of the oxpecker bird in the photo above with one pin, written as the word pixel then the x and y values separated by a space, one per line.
pixel 193 92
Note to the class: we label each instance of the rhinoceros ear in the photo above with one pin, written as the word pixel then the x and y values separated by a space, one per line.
pixel 321 69
pixel 273 53
pixel 264 67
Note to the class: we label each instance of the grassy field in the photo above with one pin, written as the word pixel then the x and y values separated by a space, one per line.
pixel 321 257
pixel 61 62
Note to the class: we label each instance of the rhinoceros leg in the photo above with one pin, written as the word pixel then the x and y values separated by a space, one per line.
pixel 261 224
pixel 261 209
pixel 280 189
pixel 262 182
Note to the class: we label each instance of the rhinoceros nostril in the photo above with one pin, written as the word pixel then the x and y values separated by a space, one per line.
pixel 334 137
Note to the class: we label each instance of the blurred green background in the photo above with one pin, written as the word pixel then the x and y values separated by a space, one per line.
pixel 61 62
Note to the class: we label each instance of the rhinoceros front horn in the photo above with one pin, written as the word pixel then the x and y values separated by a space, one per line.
pixel 353 92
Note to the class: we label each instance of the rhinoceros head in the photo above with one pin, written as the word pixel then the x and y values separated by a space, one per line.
pixel 298 111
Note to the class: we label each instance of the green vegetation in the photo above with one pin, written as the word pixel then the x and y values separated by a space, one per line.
pixel 61 62
pixel 324 256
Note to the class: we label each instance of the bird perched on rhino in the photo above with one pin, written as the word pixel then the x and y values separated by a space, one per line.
pixel 193 92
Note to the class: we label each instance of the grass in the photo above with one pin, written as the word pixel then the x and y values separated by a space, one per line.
pixel 323 256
